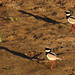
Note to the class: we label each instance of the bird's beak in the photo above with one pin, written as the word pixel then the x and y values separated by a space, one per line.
pixel 65 12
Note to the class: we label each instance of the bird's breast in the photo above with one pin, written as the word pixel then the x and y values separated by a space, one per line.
pixel 51 57
pixel 72 21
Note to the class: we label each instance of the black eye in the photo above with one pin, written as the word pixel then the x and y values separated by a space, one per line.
pixel 67 12
pixel 47 48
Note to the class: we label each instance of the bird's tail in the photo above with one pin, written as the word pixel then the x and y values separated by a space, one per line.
pixel 59 59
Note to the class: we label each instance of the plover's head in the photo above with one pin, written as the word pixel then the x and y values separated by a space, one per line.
pixel 67 13
pixel 48 49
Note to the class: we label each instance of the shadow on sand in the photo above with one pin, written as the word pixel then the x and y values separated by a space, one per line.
pixel 46 19
pixel 21 54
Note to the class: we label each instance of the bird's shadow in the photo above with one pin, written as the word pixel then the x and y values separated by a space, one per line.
pixel 21 54
pixel 46 19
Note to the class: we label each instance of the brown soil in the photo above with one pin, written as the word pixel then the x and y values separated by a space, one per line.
pixel 27 27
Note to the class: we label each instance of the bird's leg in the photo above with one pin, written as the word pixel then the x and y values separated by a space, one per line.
pixel 52 64
pixel 72 28
pixel 74 25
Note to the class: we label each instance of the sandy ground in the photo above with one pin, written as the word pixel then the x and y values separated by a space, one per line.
pixel 27 27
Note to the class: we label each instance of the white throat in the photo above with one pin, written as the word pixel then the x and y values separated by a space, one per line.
pixel 68 14
pixel 47 50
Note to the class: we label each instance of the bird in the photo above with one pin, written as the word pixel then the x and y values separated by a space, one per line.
pixel 70 19
pixel 51 56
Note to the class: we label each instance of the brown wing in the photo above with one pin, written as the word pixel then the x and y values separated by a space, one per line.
pixel 72 17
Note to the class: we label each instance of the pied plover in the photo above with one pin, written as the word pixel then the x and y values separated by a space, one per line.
pixel 71 19
pixel 51 56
